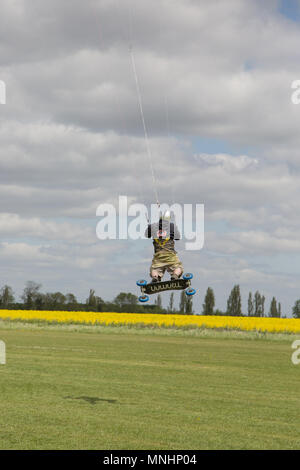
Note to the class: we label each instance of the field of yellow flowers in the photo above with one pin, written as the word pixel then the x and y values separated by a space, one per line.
pixel 264 324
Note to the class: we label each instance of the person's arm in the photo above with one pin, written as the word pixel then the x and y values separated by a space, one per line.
pixel 174 232
pixel 148 231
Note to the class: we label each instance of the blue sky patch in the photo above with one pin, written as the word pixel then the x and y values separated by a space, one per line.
pixel 290 9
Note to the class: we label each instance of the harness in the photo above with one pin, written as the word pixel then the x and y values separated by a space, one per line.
pixel 160 241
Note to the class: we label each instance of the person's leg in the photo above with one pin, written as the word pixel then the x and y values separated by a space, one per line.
pixel 176 271
pixel 157 274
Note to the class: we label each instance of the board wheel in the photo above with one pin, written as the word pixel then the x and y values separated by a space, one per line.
pixel 144 298
pixel 190 291
pixel 188 276
pixel 141 282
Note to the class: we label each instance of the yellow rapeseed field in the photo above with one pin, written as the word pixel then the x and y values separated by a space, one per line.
pixel 272 325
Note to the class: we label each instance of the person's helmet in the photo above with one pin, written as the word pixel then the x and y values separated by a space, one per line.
pixel 165 216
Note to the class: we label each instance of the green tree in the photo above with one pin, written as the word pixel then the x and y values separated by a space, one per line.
pixel 273 308
pixel 279 309
pixel 189 305
pixel 234 302
pixel 125 299
pixel 30 294
pixel 250 305
pixel 182 302
pixel 259 304
pixel 296 309
pixel 95 303
pixel 40 302
pixel 158 301
pixel 257 301
pixel 100 304
pixel 263 306
pixel 6 296
pixel 209 302
pixel 91 301
pixel 54 300
pixel 171 302
pixel 71 300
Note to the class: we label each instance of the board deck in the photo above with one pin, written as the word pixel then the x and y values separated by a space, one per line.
pixel 156 287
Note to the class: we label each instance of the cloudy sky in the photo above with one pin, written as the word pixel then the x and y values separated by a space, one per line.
pixel 215 80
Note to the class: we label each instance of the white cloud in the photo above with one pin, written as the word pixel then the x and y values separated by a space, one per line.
pixel 252 242
pixel 13 225
pixel 227 162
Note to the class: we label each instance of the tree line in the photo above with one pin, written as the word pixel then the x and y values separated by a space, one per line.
pixel 33 299
pixel 256 305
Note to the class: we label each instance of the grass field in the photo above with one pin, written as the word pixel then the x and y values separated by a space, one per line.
pixel 112 388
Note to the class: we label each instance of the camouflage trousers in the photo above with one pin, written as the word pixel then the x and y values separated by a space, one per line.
pixel 173 267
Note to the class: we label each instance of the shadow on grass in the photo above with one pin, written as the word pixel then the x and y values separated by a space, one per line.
pixel 92 400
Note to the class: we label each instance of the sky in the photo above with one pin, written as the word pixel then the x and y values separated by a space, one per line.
pixel 215 81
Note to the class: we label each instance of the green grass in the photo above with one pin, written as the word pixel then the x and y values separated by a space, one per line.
pixel 115 388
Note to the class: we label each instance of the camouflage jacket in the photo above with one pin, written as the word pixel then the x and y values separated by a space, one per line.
pixel 163 233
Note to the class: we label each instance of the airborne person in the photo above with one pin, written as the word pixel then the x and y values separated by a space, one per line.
pixel 165 258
